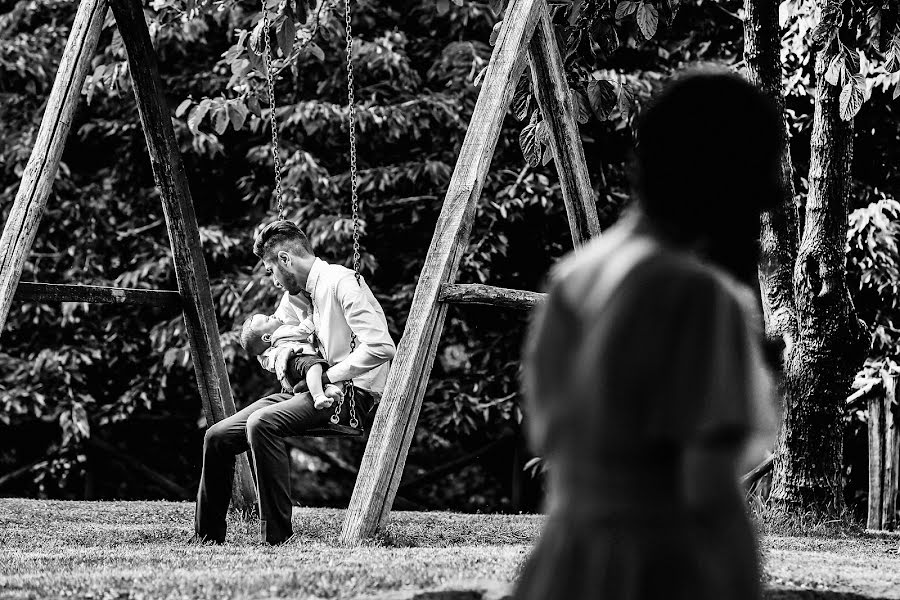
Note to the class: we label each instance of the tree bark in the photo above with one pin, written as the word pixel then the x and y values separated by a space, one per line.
pixel 778 231
pixel 831 342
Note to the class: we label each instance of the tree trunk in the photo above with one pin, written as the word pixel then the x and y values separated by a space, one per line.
pixel 831 342
pixel 779 232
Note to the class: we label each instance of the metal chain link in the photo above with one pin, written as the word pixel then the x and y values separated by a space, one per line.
pixel 351 103
pixel 276 155
pixel 354 198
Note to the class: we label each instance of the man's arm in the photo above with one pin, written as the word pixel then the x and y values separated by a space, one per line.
pixel 374 345
pixel 285 312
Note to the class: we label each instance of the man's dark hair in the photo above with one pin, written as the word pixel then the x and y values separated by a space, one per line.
pixel 709 146
pixel 281 235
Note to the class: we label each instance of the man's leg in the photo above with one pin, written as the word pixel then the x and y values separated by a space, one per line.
pixel 266 430
pixel 222 442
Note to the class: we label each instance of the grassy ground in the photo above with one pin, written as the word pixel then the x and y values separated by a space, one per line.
pixel 139 550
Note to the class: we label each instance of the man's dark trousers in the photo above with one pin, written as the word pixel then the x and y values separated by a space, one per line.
pixel 260 428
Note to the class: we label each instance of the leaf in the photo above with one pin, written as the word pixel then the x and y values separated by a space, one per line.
pixel 495 32
pixel 528 143
pixel 835 74
pixel 443 7
pixel 625 99
pixel 575 12
pixel 316 51
pixel 253 105
pixel 196 116
pixel 286 34
pixel 542 132
pixel 256 43
pixel 827 28
pixel 547 156
pixel 896 93
pixel 602 98
pixel 648 19
pixel 80 420
pixel 786 10
pixel 851 98
pixel 892 63
pixel 220 119
pixel 581 108
pixel 521 100
pixel 186 104
pixel 851 60
pixel 625 8
pixel 237 114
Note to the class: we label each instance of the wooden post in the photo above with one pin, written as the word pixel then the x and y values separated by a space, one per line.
pixel 37 180
pixel 184 235
pixel 889 478
pixel 553 97
pixel 392 431
pixel 876 456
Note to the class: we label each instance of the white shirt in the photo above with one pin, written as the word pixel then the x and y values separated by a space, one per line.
pixel 339 309
pixel 295 337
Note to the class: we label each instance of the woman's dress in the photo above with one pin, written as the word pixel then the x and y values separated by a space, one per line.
pixel 639 353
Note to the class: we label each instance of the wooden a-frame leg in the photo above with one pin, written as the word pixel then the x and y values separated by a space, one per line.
pixel 392 431
pixel 184 235
pixel 552 93
pixel 37 180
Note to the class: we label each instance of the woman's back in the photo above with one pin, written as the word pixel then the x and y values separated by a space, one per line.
pixel 640 356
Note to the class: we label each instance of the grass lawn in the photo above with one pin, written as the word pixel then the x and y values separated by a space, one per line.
pixel 132 550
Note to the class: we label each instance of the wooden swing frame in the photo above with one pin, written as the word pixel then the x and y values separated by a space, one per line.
pixel 526 35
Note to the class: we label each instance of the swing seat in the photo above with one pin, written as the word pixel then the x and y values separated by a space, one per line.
pixel 332 430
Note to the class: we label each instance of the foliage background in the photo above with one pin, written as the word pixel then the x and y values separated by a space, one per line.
pixel 73 375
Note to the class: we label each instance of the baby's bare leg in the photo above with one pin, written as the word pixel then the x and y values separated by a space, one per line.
pixel 314 381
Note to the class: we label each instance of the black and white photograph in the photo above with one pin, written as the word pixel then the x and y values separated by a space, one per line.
pixel 449 299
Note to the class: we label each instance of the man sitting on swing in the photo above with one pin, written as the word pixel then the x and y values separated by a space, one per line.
pixel 342 308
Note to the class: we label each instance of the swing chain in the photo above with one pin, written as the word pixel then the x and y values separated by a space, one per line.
pixel 354 197
pixel 276 155
pixel 351 105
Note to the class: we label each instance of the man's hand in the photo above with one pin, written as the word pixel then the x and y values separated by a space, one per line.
pixel 282 357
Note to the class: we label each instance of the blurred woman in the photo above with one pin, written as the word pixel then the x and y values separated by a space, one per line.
pixel 645 378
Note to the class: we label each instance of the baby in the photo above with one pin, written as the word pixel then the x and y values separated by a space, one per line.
pixel 261 333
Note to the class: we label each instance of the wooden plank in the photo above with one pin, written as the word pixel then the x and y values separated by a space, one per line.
pixel 758 472
pixel 392 431
pixel 53 292
pixel 876 454
pixel 37 179
pixel 889 478
pixel 551 89
pixel 874 386
pixel 184 235
pixel 477 293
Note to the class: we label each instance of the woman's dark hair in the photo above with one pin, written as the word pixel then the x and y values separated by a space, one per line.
pixel 709 147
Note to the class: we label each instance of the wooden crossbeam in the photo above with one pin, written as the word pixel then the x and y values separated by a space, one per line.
pixel 184 234
pixel 477 293
pixel 52 292
pixel 551 90
pixel 37 180
pixel 394 425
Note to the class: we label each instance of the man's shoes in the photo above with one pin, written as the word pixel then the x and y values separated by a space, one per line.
pixel 205 540
pixel 271 540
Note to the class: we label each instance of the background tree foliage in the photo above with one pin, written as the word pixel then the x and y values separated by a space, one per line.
pixel 73 373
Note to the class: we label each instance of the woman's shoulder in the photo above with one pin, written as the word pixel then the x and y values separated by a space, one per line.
pixel 623 264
